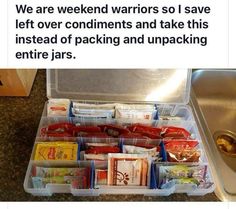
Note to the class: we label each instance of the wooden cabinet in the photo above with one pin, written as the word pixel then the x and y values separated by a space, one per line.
pixel 16 82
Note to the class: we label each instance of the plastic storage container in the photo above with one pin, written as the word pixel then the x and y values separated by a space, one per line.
pixel 167 89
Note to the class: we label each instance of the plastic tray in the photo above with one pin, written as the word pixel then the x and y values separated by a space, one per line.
pixel 168 89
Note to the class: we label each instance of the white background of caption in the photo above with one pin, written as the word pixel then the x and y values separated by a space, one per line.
pixel 219 51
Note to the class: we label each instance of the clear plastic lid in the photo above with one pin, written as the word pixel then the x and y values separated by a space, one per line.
pixel 120 85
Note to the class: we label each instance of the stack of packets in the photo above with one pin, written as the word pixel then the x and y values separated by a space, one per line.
pixel 170 175
pixel 177 151
pixel 124 170
pixel 114 110
pixel 61 107
pixel 98 150
pixel 56 151
pixel 134 131
pixel 128 169
pixel 78 178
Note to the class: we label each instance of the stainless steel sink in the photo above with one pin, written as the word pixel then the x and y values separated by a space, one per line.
pixel 213 97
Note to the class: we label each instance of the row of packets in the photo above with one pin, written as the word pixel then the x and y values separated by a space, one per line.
pixel 163 150
pixel 124 170
pixel 125 131
pixel 67 108
pixel 166 176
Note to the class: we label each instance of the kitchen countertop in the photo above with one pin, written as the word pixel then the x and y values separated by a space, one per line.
pixel 19 121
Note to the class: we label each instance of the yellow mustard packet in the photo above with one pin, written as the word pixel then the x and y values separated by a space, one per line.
pixel 56 151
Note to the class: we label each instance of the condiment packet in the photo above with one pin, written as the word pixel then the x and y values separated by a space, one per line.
pixel 93 110
pixel 93 113
pixel 98 144
pixel 95 156
pixel 95 136
pixel 79 178
pixel 100 177
pixel 131 149
pixel 58 107
pixel 183 155
pixel 134 107
pixel 169 175
pixel 93 106
pixel 128 169
pixel 50 172
pixel 167 118
pixel 182 150
pixel 102 150
pixel 135 114
pixel 142 112
pixel 77 182
pixel 56 151
pixel 114 130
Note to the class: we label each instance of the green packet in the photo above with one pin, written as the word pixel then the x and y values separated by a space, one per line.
pixel 77 177
pixel 77 182
pixel 170 175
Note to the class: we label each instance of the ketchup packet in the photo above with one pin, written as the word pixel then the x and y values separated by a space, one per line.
pixel 58 107
pixel 113 130
pixel 174 132
pixel 100 177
